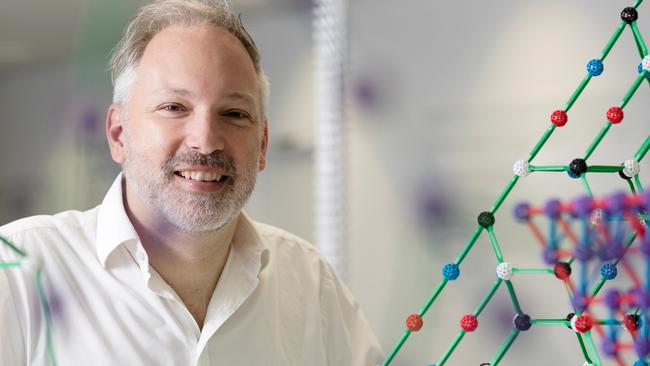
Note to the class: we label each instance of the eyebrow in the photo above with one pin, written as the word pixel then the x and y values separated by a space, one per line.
pixel 184 92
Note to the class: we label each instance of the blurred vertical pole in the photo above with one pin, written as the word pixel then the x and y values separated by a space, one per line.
pixel 330 23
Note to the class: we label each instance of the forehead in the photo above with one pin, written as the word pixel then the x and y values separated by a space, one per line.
pixel 200 59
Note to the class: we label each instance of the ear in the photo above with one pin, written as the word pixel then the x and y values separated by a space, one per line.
pixel 264 146
pixel 115 133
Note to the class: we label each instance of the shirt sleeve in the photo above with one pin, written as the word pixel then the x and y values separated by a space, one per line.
pixel 348 337
pixel 12 348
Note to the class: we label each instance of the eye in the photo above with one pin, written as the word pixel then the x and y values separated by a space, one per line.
pixel 236 114
pixel 172 108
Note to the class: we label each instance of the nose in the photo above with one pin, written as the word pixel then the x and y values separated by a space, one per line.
pixel 204 134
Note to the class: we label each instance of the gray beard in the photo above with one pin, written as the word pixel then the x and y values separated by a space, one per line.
pixel 189 212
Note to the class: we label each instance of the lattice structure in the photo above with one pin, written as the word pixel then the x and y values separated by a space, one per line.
pixel 601 236
pixel 578 168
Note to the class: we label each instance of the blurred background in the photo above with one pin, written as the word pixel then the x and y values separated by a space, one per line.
pixel 440 99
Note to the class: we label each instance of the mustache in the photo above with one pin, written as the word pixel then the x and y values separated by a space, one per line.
pixel 216 159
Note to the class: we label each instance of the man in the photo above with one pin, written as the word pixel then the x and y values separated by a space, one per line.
pixel 168 270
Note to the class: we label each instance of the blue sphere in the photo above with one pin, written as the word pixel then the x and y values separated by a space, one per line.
pixel 595 67
pixel 608 271
pixel 640 70
pixel 640 363
pixel 450 271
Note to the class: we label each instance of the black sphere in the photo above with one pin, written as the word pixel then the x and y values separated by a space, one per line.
pixel 622 175
pixel 486 219
pixel 629 15
pixel 578 167
pixel 568 318
pixel 521 322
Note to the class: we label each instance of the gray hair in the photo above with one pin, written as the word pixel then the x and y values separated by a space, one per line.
pixel 153 18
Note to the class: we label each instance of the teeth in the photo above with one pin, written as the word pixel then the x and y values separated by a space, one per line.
pixel 202 176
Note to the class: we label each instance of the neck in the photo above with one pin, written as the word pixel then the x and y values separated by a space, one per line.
pixel 190 263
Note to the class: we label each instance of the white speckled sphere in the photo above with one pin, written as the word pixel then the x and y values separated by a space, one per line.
pixel 597 216
pixel 631 168
pixel 521 168
pixel 504 271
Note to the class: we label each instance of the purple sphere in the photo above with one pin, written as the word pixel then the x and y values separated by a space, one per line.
pixel 612 299
pixel 641 298
pixel 521 212
pixel 609 347
pixel 582 206
pixel 583 253
pixel 616 203
pixel 611 252
pixel 549 255
pixel 579 302
pixel 552 209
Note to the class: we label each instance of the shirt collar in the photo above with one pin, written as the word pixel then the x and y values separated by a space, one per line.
pixel 113 225
pixel 114 229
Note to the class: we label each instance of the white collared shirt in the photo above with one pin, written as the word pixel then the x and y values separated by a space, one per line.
pixel 277 301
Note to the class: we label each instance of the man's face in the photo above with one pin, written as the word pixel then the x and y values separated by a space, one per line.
pixel 195 135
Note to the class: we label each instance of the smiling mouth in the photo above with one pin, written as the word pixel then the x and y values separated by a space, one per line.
pixel 202 176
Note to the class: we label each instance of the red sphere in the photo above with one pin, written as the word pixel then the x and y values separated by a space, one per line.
pixel 582 323
pixel 469 323
pixel 615 115
pixel 562 270
pixel 559 118
pixel 631 322
pixel 414 322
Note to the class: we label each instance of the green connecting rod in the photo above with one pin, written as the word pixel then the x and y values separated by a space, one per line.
pixel 592 348
pixel 609 322
pixel 612 40
pixel 13 247
pixel 487 297
pixel 532 270
pixel 550 322
pixel 469 245
pixel 498 355
pixel 504 194
pixel 639 186
pixel 548 168
pixel 513 297
pixel 638 39
pixel 633 89
pixel 643 149
pixel 397 347
pixel 583 349
pixel 597 140
pixel 583 177
pixel 495 244
pixel 451 348
pixel 48 321
pixel 9 264
pixel 604 168
pixel 541 142
pixel 631 185
pixel 597 287
pixel 577 92
pixel 433 297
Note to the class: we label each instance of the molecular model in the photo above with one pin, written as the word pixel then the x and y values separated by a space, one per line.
pixel 608 229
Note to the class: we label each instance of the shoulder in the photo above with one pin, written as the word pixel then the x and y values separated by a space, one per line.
pixel 281 240
pixel 40 228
